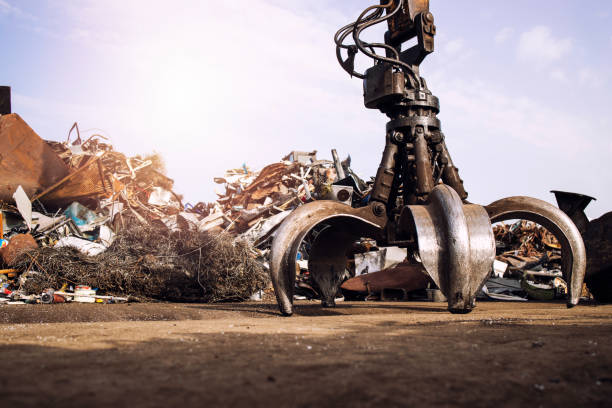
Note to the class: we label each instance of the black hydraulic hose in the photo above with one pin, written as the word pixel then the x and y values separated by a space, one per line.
pixel 360 26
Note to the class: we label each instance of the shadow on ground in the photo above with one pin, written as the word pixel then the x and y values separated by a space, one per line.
pixel 471 364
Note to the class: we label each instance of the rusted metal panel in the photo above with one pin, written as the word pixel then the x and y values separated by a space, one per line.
pixel 598 241
pixel 25 159
pixel 90 180
pixel 405 276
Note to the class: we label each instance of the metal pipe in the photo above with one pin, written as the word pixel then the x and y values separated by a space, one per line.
pixel 338 165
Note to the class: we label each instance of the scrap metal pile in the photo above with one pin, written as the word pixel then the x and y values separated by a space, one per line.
pixel 83 222
pixel 253 202
pixel 113 223
pixel 99 219
pixel 528 264
pixel 82 216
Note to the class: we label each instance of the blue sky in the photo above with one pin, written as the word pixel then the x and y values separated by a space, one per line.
pixel 524 86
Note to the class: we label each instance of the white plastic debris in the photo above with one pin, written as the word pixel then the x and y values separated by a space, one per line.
pixel 394 256
pixel 213 220
pixel 163 197
pixel 24 206
pixel 107 236
pixel 257 296
pixel 84 246
pixel 499 268
pixel 44 221
pixel 171 222
pixel 84 294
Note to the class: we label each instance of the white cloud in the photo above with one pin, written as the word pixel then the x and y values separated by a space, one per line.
pixel 540 47
pixel 507 144
pixel 558 75
pixel 585 75
pixel 5 8
pixel 8 9
pixel 503 35
pixel 455 51
pixel 591 78
pixel 454 47
pixel 496 113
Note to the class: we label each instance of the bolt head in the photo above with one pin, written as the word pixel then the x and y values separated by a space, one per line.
pixel 378 209
pixel 343 195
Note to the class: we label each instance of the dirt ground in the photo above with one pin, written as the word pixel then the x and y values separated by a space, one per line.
pixel 356 355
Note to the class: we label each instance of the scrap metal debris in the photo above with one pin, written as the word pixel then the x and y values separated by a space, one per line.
pixel 147 262
pixel 249 198
pixel 110 223
pixel 527 266
pixel 80 221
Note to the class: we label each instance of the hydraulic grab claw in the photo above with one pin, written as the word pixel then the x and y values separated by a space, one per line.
pixel 418 201
pixel 455 244
pixel 573 253
pixel 342 226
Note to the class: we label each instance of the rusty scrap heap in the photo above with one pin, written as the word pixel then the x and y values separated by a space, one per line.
pixel 100 171
pixel 252 197
pixel 78 214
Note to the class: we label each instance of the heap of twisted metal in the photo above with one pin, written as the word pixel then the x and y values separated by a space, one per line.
pixel 418 200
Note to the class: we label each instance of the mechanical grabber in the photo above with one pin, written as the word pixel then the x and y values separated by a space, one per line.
pixel 418 200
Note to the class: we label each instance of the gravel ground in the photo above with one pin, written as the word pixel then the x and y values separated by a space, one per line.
pixel 356 355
